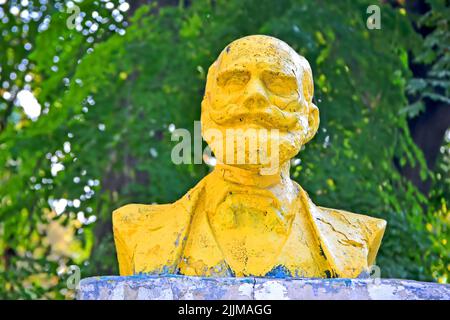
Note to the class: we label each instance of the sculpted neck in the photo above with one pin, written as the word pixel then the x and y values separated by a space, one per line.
pixel 253 177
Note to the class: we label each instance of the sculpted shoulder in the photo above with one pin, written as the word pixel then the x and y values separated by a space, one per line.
pixel 355 232
pixel 154 215
pixel 133 215
pixel 128 223
pixel 349 240
pixel 148 237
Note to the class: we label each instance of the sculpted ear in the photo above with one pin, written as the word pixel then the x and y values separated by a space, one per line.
pixel 313 121
pixel 210 78
pixel 308 92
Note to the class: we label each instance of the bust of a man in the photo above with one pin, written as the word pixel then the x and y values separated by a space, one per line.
pixel 247 217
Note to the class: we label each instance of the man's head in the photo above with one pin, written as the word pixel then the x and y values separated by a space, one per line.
pixel 259 83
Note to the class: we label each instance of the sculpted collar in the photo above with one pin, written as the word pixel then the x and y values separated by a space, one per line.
pixel 250 178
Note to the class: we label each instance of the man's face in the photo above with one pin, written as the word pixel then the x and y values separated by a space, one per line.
pixel 258 83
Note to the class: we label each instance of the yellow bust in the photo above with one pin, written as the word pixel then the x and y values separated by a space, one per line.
pixel 247 217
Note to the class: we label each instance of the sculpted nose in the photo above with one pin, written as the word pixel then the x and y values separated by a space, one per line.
pixel 256 95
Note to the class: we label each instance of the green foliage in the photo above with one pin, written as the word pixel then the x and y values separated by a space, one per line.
pixel 439 216
pixel 114 104
pixel 434 51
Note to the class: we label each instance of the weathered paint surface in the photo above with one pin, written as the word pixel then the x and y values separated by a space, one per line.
pixel 174 287
pixel 238 221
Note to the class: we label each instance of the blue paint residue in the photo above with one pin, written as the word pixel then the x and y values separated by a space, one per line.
pixel 279 271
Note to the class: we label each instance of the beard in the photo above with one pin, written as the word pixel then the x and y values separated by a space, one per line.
pixel 258 139
pixel 253 148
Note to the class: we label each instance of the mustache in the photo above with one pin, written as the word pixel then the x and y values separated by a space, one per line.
pixel 270 117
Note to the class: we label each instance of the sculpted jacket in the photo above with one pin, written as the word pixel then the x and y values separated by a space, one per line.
pixel 212 231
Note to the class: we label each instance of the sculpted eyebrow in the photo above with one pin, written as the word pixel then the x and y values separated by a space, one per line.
pixel 226 74
pixel 280 74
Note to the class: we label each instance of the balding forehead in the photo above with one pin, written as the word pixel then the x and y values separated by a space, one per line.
pixel 261 49
pixel 266 45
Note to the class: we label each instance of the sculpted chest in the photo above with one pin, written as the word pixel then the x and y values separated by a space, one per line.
pixel 180 238
pixel 251 233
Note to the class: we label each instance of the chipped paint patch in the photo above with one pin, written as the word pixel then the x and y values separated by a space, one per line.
pixel 381 292
pixel 246 289
pixel 271 290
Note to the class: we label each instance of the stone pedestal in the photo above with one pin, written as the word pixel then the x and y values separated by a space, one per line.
pixel 173 287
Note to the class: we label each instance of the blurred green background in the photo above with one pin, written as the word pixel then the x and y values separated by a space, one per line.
pixel 88 103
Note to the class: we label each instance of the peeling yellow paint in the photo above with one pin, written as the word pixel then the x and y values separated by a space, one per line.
pixel 238 221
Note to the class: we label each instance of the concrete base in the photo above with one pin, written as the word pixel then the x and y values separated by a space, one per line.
pixel 174 287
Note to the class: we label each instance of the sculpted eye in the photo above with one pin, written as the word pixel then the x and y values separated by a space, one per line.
pixel 280 84
pixel 233 80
